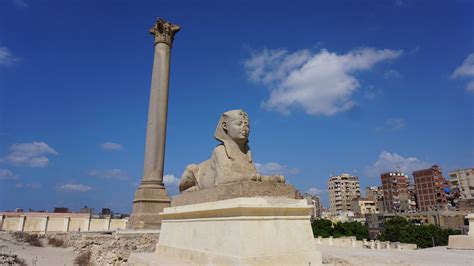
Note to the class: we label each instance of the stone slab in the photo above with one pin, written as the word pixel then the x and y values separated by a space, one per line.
pixel 461 242
pixel 236 190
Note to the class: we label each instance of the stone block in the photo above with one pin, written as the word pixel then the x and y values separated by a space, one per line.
pixel 461 242
pixel 235 190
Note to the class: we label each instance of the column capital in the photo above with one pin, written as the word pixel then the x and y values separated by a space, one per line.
pixel 164 31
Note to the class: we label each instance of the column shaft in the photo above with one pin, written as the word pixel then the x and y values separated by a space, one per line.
pixel 157 115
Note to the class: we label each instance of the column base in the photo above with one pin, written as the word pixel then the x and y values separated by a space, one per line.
pixel 150 199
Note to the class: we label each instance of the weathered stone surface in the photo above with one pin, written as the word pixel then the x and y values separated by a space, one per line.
pixel 236 190
pixel 461 241
pixel 231 161
pixel 108 249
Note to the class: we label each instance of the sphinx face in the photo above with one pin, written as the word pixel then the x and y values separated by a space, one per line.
pixel 238 130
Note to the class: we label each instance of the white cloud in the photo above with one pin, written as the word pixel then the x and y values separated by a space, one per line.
pixel 170 180
pixel 30 154
pixel 275 169
pixel 391 161
pixel 6 57
pixel 320 83
pixel 74 188
pixel 392 124
pixel 29 185
pixel 20 3
pixel 315 191
pixel 371 92
pixel 392 74
pixel 470 86
pixel 401 3
pixel 116 174
pixel 466 70
pixel 395 123
pixel 6 174
pixel 110 146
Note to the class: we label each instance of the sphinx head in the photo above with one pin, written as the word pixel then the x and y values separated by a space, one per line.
pixel 233 125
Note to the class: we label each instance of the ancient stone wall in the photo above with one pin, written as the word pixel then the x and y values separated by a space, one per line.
pixel 54 222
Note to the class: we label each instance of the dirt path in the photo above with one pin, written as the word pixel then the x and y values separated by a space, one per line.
pixel 45 255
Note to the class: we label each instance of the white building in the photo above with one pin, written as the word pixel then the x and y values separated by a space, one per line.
pixel 316 202
pixel 463 182
pixel 342 190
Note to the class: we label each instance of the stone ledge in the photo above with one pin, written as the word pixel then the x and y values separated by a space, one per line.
pixel 239 207
pixel 236 190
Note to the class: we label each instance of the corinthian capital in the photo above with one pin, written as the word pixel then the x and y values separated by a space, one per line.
pixel 164 31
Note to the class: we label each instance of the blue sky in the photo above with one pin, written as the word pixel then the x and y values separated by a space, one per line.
pixel 330 87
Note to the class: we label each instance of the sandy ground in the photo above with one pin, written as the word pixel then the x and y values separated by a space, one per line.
pixel 429 256
pixel 45 255
pixel 48 255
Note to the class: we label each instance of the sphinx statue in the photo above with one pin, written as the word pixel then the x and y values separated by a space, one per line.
pixel 230 162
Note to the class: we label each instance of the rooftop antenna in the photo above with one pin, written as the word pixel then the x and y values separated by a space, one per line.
pixel 398 168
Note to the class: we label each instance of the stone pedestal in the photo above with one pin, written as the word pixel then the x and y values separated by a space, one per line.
pixel 239 231
pixel 462 241
pixel 245 189
pixel 149 201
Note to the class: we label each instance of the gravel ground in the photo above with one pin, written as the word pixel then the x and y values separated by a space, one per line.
pixel 430 256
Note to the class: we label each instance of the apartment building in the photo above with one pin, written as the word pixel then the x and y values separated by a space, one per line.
pixel 430 185
pixel 395 192
pixel 342 189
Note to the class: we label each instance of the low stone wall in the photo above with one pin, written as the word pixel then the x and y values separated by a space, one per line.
pixel 58 222
pixel 351 242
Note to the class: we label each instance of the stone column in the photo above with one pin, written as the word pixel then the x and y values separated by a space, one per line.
pixel 387 244
pixel 107 224
pixel 377 244
pixel 2 218
pixel 45 224
pixel 21 224
pixel 151 196
pixel 67 220
pixel 372 244
pixel 87 224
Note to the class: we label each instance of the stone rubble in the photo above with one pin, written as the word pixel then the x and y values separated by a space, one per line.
pixel 8 259
pixel 108 249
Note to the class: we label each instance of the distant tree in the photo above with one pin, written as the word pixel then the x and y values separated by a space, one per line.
pixel 325 228
pixel 322 227
pixel 399 229
pixel 394 229
pixel 360 231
